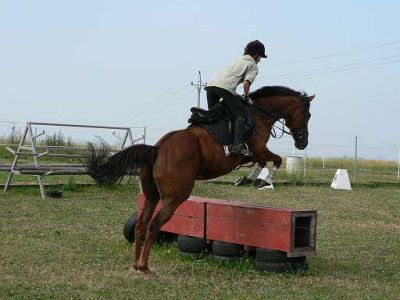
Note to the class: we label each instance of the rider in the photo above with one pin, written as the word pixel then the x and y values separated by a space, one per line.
pixel 223 86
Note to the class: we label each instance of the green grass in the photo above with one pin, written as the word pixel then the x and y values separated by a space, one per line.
pixel 73 248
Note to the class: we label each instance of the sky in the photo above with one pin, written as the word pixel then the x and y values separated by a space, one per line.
pixel 130 63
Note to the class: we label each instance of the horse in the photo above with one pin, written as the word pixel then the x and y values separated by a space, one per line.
pixel 168 169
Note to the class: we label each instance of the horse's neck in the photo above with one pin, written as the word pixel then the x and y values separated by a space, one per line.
pixel 274 107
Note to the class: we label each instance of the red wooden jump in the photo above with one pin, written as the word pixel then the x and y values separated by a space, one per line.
pixel 284 229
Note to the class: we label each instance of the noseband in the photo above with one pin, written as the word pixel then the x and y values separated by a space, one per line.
pixel 302 133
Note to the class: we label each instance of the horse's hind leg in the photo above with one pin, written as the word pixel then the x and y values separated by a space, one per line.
pixel 162 217
pixel 174 172
pixel 150 191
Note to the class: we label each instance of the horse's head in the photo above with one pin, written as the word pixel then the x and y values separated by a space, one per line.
pixel 296 118
pixel 278 102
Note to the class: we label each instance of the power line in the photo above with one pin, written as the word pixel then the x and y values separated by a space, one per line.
pixel 335 54
pixel 326 56
pixel 340 70
pixel 153 112
pixel 332 68
pixel 163 104
pixel 12 122
pixel 159 99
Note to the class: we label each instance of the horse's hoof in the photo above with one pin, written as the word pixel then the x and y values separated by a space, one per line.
pixel 147 272
pixel 144 269
pixel 265 185
pixel 243 181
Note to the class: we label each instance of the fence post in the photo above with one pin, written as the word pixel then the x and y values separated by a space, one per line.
pixel 355 159
pixel 398 167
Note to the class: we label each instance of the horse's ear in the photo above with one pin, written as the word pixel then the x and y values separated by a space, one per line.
pixel 311 97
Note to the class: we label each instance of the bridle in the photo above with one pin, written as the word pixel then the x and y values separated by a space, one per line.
pixel 298 134
pixel 283 130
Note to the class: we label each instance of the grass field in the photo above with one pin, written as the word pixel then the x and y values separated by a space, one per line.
pixel 74 248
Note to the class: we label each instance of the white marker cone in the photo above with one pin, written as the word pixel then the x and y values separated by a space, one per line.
pixel 341 180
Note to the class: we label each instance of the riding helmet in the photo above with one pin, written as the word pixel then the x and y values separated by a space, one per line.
pixel 255 47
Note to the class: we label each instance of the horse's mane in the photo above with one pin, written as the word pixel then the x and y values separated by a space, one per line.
pixel 268 91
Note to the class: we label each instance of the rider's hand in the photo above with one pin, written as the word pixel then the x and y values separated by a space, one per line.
pixel 247 99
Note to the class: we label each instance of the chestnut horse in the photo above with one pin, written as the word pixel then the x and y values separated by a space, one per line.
pixel 169 169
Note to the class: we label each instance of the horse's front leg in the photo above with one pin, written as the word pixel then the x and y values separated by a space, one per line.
pixel 264 155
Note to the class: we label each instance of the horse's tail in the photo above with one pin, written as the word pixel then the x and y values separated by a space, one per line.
pixel 108 170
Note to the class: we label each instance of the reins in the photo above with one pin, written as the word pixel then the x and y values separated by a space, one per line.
pixel 283 131
pixel 267 115
pixel 273 127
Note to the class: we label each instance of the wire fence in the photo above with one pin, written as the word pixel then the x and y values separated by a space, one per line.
pixel 365 160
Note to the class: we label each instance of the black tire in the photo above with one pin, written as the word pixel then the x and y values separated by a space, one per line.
pixel 251 253
pixel 188 244
pixel 166 237
pixel 54 194
pixel 129 228
pixel 270 256
pixel 219 258
pixel 227 249
pixel 297 259
pixel 280 267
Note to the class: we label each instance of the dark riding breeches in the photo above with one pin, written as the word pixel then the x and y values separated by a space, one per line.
pixel 232 101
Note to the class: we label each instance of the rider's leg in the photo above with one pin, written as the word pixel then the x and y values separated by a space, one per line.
pixel 238 131
pixel 212 97
pixel 233 102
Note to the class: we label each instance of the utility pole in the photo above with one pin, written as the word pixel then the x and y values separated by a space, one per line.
pixel 198 86
pixel 12 141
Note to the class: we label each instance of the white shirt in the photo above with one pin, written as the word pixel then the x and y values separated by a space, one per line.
pixel 241 69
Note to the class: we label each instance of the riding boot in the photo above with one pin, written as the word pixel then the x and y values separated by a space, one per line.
pixel 238 146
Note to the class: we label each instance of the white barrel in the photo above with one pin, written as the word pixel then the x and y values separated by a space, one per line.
pixel 293 164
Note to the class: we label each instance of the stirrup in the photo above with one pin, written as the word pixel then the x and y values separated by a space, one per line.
pixel 243 150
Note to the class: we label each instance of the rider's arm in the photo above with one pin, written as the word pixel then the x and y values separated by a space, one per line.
pixel 246 87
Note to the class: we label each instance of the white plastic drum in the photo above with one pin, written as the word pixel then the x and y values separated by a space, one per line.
pixel 293 164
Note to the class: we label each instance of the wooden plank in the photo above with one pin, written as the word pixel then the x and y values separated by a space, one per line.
pixel 191 208
pixel 184 225
pixel 188 218
pixel 55 172
pixel 241 204
pixel 249 235
pixel 248 214
pixel 48 168
pixel 51 154
pixel 248 225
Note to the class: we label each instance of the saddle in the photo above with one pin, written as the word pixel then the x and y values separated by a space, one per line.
pixel 218 122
